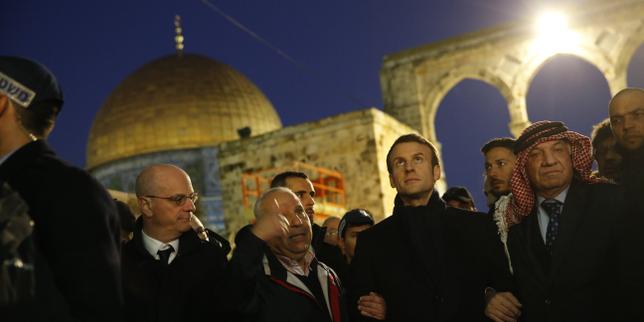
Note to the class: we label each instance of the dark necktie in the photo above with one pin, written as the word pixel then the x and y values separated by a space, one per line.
pixel 164 255
pixel 553 209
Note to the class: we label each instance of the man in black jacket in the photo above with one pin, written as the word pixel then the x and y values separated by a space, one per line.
pixel 429 262
pixel 68 269
pixel 564 236
pixel 171 273
pixel 274 275
pixel 626 111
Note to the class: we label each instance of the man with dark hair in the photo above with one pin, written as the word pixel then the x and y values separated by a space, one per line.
pixel 352 223
pixel 170 272
pixel 459 197
pixel 563 224
pixel 609 161
pixel 499 162
pixel 428 261
pixel 626 112
pixel 274 275
pixel 66 267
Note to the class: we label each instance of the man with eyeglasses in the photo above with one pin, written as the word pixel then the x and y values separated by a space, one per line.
pixel 171 273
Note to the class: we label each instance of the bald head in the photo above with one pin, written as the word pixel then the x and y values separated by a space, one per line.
pixel 626 111
pixel 167 201
pixel 269 200
pixel 154 179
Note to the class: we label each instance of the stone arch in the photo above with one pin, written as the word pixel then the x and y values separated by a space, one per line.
pixel 415 80
pixel 534 66
pixel 432 98
pixel 559 91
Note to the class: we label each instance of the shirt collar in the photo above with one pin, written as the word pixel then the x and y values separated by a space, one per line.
pixel 153 245
pixel 293 266
pixel 561 197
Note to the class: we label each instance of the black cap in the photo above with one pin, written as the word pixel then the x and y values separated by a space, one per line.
pixel 458 193
pixel 27 82
pixel 354 217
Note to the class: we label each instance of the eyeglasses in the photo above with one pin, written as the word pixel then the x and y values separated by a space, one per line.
pixel 179 200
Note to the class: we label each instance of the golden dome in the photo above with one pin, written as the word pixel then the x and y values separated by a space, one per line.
pixel 177 102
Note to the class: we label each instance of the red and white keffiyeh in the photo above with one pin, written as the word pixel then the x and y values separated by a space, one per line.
pixel 523 197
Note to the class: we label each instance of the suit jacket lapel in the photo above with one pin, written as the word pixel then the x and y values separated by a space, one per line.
pixel 571 218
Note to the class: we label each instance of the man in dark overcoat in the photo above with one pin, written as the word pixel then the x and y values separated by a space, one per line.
pixel 60 224
pixel 170 271
pixel 564 236
pixel 429 262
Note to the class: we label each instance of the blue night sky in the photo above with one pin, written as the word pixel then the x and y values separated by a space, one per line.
pixel 93 45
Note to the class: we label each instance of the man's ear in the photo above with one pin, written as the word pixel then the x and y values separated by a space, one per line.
pixel 391 181
pixel 145 206
pixel 437 172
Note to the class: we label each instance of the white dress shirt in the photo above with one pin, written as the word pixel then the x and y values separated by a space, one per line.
pixel 153 246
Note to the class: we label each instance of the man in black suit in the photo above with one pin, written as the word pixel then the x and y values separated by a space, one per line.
pixel 63 263
pixel 563 240
pixel 170 272
pixel 428 261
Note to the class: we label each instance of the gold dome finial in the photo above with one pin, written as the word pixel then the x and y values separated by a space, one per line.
pixel 178 39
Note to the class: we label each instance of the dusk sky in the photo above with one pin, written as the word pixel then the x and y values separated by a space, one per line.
pixel 93 45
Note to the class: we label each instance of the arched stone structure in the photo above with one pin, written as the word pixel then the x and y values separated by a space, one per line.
pixel 415 81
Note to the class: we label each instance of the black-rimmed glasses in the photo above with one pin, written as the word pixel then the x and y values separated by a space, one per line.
pixel 179 200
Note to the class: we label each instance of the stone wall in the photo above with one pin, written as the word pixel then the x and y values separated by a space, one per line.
pixel 355 144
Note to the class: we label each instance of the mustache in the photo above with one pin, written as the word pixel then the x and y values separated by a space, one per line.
pixel 297 232
pixel 493 181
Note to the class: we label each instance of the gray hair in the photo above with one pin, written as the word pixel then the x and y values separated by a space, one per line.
pixel 259 204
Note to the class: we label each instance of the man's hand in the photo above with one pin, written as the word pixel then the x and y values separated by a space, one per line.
pixel 271 225
pixel 503 307
pixel 373 306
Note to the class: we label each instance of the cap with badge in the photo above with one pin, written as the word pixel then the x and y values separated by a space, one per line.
pixel 28 83
pixel 354 217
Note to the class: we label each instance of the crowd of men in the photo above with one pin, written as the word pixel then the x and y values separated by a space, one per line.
pixel 559 242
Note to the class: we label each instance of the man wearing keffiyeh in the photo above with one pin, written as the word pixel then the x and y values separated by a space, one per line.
pixel 563 229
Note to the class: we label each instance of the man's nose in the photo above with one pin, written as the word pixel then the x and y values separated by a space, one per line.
pixel 310 200
pixel 549 158
pixel 190 205
pixel 409 166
